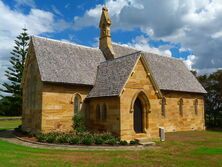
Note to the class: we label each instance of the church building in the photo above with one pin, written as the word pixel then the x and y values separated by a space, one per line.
pixel 118 89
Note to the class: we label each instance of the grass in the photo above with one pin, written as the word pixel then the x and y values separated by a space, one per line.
pixel 2 116
pixel 5 124
pixel 192 149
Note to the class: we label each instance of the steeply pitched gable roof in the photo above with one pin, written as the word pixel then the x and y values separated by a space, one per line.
pixel 169 73
pixel 112 75
pixel 74 64
pixel 63 62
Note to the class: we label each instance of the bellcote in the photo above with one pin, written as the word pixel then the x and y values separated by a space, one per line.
pixel 105 42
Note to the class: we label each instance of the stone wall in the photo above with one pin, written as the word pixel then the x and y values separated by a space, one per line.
pixel 112 121
pixel 140 83
pixel 189 119
pixel 58 106
pixel 32 95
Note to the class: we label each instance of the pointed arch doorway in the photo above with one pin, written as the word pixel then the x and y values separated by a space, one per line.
pixel 138 116
pixel 140 107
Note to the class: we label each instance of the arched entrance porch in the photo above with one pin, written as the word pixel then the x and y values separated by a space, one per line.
pixel 140 107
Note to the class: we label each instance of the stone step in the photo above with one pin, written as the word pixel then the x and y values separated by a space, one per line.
pixel 141 135
pixel 148 143
pixel 145 141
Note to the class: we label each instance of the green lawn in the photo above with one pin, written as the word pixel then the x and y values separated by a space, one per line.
pixel 1 116
pixel 190 149
pixel 4 124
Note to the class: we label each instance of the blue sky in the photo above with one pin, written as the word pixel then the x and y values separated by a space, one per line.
pixel 189 30
pixel 66 10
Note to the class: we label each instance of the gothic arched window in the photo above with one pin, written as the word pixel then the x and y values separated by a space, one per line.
pixel 181 106
pixel 163 107
pixel 77 103
pixel 196 106
pixel 98 117
pixel 104 112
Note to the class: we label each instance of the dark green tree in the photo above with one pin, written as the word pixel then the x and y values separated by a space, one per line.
pixel 11 102
pixel 213 99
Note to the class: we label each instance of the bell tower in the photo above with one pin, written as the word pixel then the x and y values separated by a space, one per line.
pixel 105 42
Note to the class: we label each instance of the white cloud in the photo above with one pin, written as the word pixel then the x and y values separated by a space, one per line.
pixel 195 24
pixel 92 16
pixel 56 10
pixel 142 43
pixel 190 61
pixel 30 3
pixel 12 21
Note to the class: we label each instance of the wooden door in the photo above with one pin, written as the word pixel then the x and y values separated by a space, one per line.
pixel 138 116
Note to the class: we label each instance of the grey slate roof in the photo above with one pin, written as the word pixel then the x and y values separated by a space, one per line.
pixel 172 74
pixel 66 63
pixel 169 73
pixel 74 64
pixel 112 75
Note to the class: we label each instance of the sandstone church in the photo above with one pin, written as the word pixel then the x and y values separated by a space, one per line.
pixel 118 89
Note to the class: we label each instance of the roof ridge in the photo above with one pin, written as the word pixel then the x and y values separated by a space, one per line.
pixel 161 55
pixel 64 42
pixel 121 57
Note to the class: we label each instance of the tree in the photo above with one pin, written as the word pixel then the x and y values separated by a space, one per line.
pixel 11 103
pixel 213 99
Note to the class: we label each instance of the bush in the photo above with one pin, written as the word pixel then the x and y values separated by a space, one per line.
pixel 79 123
pixel 88 140
pixel 81 138
pixel 123 142
pixel 106 136
pixel 74 140
pixel 61 138
pixel 41 137
pixel 98 140
pixel 111 141
pixel 51 137
pixel 134 142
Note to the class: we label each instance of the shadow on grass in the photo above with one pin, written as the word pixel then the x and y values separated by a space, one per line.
pixel 6 133
pixel 214 129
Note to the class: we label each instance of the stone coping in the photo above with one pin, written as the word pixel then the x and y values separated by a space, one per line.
pixel 21 141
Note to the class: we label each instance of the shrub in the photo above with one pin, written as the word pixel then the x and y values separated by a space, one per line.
pixel 133 142
pixel 106 136
pixel 51 137
pixel 62 138
pixel 41 137
pixel 81 138
pixel 98 140
pixel 79 123
pixel 74 140
pixel 123 142
pixel 88 140
pixel 111 141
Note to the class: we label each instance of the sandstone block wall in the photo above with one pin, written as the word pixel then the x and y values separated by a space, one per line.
pixel 172 121
pixel 58 106
pixel 139 81
pixel 112 122
pixel 32 96
pixel 189 120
